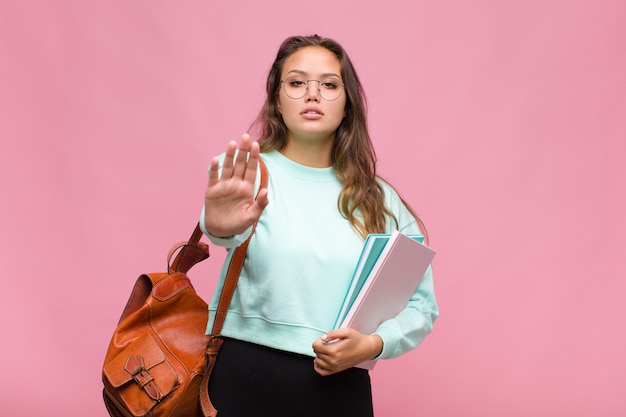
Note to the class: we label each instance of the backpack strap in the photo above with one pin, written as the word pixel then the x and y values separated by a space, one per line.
pixel 230 283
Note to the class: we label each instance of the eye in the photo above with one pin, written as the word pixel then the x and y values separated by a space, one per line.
pixel 330 84
pixel 296 82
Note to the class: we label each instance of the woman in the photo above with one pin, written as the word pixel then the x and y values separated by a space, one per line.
pixel 277 358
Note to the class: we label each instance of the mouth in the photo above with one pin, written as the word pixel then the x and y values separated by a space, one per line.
pixel 312 112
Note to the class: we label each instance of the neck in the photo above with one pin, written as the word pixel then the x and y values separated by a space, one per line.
pixel 311 153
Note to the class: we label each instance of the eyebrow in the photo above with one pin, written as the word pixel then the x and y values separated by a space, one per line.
pixel 327 74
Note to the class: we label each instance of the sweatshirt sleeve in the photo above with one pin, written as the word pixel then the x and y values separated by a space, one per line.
pixel 227 242
pixel 408 329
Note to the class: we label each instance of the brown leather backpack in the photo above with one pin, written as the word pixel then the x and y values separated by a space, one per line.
pixel 159 359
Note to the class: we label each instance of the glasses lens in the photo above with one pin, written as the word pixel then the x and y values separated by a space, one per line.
pixel 295 87
pixel 329 89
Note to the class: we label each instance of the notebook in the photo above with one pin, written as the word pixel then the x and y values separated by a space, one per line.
pixel 388 272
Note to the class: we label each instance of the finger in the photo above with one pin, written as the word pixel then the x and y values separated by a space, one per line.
pixel 261 199
pixel 337 334
pixel 334 336
pixel 320 368
pixel 257 207
pixel 331 363
pixel 323 350
pixel 253 163
pixel 227 166
pixel 242 156
pixel 214 171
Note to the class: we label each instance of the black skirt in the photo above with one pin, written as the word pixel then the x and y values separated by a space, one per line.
pixel 254 381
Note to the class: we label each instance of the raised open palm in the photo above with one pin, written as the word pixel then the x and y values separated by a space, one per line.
pixel 229 201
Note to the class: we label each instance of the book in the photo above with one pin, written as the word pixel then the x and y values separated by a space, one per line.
pixel 389 270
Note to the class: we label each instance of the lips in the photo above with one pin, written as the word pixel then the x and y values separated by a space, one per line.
pixel 312 111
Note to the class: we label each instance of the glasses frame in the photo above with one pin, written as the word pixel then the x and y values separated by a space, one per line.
pixel 319 90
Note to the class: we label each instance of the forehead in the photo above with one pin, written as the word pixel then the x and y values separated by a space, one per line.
pixel 312 60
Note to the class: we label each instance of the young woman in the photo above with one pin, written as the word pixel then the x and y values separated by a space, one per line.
pixel 322 200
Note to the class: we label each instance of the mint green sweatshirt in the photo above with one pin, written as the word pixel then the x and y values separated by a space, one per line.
pixel 300 262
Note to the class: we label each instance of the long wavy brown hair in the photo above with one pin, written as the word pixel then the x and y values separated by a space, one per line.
pixel 361 200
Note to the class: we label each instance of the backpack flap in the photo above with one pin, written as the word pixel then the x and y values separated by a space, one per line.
pixel 140 375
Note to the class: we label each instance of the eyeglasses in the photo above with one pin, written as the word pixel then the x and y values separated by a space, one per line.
pixel 330 89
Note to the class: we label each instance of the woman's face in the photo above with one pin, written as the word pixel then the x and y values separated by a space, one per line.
pixel 311 117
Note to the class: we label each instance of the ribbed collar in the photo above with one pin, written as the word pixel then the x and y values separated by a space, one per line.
pixel 298 170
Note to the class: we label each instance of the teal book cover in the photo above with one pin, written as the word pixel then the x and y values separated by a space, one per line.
pixel 372 248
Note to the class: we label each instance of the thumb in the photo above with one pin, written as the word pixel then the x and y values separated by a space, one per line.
pixel 261 198
pixel 333 335
pixel 258 205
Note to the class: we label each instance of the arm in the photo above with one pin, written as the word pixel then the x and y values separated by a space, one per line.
pixel 341 349
pixel 397 335
pixel 409 328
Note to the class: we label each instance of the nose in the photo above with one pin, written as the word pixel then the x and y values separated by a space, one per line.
pixel 312 92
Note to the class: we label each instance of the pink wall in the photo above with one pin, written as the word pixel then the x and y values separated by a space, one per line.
pixel 503 123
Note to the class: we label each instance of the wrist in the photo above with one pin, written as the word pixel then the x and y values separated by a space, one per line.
pixel 218 234
pixel 377 345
